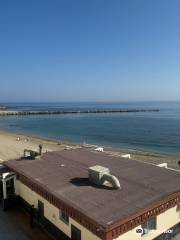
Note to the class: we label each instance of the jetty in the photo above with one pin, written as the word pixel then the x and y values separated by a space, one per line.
pixel 92 111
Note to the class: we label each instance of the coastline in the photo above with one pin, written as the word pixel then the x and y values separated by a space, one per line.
pixel 13 144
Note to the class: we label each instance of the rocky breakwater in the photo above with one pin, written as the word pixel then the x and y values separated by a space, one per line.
pixel 92 111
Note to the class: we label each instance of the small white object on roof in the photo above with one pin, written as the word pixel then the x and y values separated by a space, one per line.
pixel 99 149
pixel 68 148
pixel 162 165
pixel 126 156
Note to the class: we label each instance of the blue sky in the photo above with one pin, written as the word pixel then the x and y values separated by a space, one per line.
pixel 89 50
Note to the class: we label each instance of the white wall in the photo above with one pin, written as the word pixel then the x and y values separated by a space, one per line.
pixel 52 213
pixel 164 221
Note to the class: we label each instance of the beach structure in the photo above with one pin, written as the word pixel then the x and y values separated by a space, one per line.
pixel 126 156
pixel 93 111
pixel 30 154
pixel 82 194
pixel 99 149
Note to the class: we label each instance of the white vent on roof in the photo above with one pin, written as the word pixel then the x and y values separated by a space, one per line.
pixel 99 175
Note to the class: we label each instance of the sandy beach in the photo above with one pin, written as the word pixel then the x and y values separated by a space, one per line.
pixel 12 146
pixel 150 157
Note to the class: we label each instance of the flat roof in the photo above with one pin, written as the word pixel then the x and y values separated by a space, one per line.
pixel 65 175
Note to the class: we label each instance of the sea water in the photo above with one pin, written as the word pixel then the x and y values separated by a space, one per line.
pixel 147 131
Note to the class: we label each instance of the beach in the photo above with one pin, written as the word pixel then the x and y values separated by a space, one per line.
pixel 12 146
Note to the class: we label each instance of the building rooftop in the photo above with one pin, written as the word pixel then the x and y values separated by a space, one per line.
pixel 64 175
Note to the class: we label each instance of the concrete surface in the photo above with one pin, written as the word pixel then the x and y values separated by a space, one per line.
pixel 14 225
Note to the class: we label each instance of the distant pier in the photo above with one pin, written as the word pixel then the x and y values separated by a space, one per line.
pixel 93 111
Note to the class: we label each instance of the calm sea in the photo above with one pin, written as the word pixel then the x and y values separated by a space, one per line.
pixel 150 131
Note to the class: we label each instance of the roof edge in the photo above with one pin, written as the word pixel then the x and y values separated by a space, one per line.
pixel 116 229
pixel 112 231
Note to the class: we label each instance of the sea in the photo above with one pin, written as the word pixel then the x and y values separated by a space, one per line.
pixel 157 132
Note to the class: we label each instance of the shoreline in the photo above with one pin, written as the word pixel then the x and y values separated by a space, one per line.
pixel 93 145
pixel 11 148
pixel 12 144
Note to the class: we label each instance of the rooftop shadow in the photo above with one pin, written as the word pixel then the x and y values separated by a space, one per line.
pixel 83 182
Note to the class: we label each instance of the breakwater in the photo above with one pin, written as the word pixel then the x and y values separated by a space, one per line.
pixel 26 113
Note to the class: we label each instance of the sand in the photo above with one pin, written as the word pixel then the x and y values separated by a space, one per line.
pixel 12 146
pixel 150 157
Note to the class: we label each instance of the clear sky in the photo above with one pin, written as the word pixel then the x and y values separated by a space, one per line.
pixel 89 50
